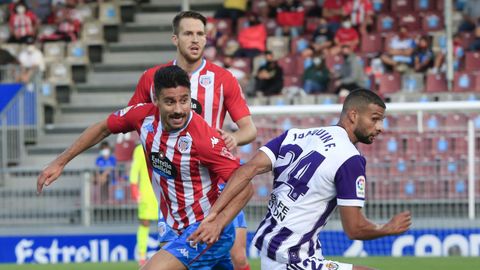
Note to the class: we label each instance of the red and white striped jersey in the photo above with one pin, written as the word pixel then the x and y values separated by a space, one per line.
pixel 213 88
pixel 185 166
pixel 23 24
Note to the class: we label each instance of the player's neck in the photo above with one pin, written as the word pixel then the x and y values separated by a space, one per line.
pixel 187 66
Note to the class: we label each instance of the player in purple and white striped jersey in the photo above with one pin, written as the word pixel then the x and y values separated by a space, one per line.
pixel 314 170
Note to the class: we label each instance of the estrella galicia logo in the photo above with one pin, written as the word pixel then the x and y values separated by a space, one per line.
pixel 162 165
pixel 196 106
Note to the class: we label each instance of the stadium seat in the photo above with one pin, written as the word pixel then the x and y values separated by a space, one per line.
pixel 53 51
pixel 298 44
pixel 279 46
pixel 432 21
pixel 440 5
pixel 386 23
pixel 424 5
pixel 92 33
pixel 371 43
pixel 4 33
pixel 300 65
pixel 59 73
pixel 326 99
pixel 288 65
pixel 413 82
pixel 271 25
pixel 124 146
pixel 406 123
pixel 455 122
pixel 109 13
pixel 381 6
pixel 436 83
pixel 401 6
pixel 472 61
pixel 410 20
pixel 77 53
pixel 291 81
pixel 464 82
pixel 433 122
pixel 333 62
pixel 243 63
pixel 389 83
pixel 467 39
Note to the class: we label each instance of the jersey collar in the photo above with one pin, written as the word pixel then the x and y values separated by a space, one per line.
pixel 202 65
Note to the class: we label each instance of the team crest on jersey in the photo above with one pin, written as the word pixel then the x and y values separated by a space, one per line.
pixel 184 143
pixel 331 266
pixel 196 106
pixel 360 186
pixel 162 165
pixel 149 128
pixel 205 80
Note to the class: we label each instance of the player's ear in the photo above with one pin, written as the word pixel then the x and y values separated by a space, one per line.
pixel 175 40
pixel 352 115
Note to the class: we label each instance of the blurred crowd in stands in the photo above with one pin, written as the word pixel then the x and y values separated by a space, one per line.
pixel 334 46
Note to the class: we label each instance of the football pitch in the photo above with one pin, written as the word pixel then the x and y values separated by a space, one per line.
pixel 383 263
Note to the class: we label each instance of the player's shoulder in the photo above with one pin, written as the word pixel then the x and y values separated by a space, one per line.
pixel 137 109
pixel 218 70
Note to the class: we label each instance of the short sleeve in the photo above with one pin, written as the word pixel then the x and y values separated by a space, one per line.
pixel 272 148
pixel 234 100
pixel 124 120
pixel 350 182
pixel 143 90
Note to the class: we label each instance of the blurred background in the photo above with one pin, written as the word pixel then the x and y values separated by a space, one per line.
pixel 67 64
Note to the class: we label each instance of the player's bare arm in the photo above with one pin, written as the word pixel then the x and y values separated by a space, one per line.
pixel 358 227
pixel 246 133
pixel 91 136
pixel 212 226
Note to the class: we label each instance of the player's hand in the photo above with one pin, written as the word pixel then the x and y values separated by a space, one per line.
pixel 228 138
pixel 208 232
pixel 400 223
pixel 48 175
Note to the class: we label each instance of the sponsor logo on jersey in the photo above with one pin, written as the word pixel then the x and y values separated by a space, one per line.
pixel 360 186
pixel 162 165
pixel 205 80
pixel 196 106
pixel 227 153
pixel 214 141
pixel 183 251
pixel 184 144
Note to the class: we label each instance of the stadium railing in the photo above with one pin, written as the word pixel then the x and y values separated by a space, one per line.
pixel 427 161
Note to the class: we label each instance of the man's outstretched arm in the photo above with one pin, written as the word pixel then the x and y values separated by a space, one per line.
pixel 358 227
pixel 91 136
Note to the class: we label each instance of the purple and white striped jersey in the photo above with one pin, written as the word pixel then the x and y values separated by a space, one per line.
pixel 314 170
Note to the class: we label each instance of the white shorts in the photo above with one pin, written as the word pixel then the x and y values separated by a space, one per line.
pixel 311 263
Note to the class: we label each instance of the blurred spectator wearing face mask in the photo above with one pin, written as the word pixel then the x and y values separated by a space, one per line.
pixel 423 56
pixel 322 37
pixel 351 75
pixel 105 172
pixel 32 62
pixel 269 78
pixel 252 39
pixel 23 24
pixel 346 36
pixel 316 77
pixel 361 14
pixel 399 51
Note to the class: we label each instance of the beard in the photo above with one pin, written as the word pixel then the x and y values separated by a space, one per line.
pixel 362 137
pixel 189 57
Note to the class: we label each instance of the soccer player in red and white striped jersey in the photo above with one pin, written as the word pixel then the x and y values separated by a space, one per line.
pixel 215 91
pixel 186 160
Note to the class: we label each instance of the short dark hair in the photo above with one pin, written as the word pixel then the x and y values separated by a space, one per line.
pixel 170 77
pixel 187 14
pixel 361 98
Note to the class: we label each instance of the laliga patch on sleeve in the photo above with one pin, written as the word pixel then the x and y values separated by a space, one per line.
pixel 123 111
pixel 360 186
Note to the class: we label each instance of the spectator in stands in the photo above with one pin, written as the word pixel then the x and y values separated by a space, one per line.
pixel 142 193
pixel 322 37
pixel 23 24
pixel 333 12
pixel 269 77
pixel 471 13
pixel 32 62
pixel 316 77
pixel 399 51
pixel 290 18
pixel 346 36
pixel 458 53
pixel 351 75
pixel 232 9
pixel 361 14
pixel 423 56
pixel 215 39
pixel 475 45
pixel 252 39
pixel 105 171
pixel 241 76
pixel 68 24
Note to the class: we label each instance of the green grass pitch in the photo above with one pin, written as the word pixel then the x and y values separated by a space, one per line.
pixel 383 263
